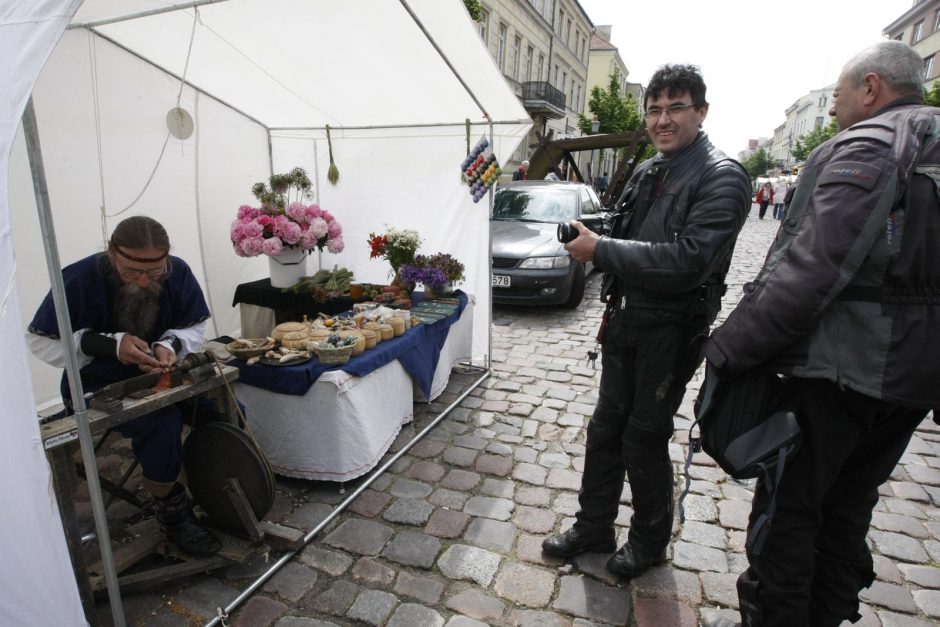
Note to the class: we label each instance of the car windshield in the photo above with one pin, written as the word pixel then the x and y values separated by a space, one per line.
pixel 536 204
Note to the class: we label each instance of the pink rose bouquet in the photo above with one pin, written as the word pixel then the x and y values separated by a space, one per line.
pixel 279 223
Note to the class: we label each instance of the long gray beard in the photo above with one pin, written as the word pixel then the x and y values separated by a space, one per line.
pixel 136 308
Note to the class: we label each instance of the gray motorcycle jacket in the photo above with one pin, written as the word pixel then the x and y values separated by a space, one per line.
pixel 850 290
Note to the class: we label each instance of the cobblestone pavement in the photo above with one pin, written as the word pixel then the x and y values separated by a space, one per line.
pixel 451 534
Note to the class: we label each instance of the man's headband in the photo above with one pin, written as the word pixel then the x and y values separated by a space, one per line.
pixel 118 250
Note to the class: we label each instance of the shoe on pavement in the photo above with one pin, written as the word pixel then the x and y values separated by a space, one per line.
pixel 631 561
pixel 574 542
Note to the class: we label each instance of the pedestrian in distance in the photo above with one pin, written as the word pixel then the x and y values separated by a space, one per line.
pixel 135 309
pixel 522 173
pixel 779 191
pixel 846 306
pixel 765 196
pixel 601 183
pixel 665 260
pixel 554 174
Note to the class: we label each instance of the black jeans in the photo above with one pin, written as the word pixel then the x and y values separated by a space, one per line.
pixel 645 371
pixel 815 560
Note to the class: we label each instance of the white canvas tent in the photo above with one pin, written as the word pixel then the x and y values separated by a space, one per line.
pixel 394 79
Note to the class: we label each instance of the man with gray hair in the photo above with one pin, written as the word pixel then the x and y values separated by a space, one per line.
pixel 522 173
pixel 845 307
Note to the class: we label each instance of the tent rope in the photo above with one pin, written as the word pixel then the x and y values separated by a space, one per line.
pixel 166 140
pixel 93 54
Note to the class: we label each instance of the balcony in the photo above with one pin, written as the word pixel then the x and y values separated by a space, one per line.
pixel 540 98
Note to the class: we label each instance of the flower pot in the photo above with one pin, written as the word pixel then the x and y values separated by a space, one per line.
pixel 288 267
pixel 439 292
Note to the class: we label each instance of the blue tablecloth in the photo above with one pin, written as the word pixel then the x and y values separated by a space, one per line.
pixel 418 351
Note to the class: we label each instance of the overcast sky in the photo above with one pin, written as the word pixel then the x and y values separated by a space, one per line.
pixel 757 57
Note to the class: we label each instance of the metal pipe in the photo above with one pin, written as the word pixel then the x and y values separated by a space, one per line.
pixel 397 126
pixel 41 191
pixel 444 58
pixel 257 583
pixel 133 16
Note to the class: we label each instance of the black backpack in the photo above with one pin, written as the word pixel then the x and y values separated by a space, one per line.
pixel 744 429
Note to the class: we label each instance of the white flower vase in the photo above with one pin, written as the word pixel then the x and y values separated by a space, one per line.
pixel 288 267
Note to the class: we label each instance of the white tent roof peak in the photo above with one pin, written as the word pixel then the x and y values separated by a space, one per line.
pixel 235 51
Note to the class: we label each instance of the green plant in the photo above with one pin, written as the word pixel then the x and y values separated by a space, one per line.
pixel 276 194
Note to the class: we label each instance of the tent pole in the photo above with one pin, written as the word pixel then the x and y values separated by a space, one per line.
pixel 445 59
pixel 33 149
pixel 489 253
pixel 133 16
pixel 257 583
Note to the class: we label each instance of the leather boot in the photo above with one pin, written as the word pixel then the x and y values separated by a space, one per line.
pixel 574 542
pixel 175 513
pixel 630 561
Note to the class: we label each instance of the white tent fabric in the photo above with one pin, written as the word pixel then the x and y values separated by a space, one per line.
pixel 262 80
pixel 35 566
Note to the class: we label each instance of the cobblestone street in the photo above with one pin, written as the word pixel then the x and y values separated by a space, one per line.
pixel 451 534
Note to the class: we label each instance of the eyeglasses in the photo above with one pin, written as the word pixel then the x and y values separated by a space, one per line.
pixel 654 113
pixel 135 273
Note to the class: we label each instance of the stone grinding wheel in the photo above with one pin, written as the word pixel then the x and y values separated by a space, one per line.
pixel 216 451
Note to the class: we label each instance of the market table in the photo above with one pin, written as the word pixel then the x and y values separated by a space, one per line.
pixel 334 423
pixel 262 306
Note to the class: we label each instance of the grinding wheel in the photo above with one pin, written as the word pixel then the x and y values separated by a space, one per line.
pixel 217 451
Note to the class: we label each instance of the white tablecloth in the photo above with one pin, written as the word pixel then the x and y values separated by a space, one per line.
pixel 342 426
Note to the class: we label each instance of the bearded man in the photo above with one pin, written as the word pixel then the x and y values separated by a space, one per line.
pixel 135 309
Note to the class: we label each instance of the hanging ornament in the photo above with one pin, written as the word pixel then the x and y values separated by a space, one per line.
pixel 480 169
pixel 332 174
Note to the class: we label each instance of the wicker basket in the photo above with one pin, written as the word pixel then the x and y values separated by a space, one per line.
pixel 247 348
pixel 332 356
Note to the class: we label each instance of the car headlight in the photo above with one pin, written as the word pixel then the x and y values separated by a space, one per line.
pixel 546 263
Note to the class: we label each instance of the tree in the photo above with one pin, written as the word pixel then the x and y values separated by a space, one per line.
pixel 614 111
pixel 758 163
pixel 474 8
pixel 808 142
pixel 932 97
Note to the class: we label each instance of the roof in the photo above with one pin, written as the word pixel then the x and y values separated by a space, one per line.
pixel 599 43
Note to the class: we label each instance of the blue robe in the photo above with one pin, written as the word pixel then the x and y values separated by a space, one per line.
pixel 90 295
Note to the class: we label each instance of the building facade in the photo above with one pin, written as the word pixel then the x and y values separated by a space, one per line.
pixel 919 27
pixel 808 113
pixel 542 47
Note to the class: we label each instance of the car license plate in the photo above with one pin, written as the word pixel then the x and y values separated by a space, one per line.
pixel 501 280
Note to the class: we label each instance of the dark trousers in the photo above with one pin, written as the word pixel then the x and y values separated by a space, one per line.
pixel 815 560
pixel 155 440
pixel 644 375
pixel 763 208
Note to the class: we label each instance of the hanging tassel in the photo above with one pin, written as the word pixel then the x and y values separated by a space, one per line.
pixel 332 174
pixel 467 123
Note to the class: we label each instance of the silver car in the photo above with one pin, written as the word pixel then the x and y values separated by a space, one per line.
pixel 530 265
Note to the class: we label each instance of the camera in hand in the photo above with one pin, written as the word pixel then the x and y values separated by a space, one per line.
pixel 566 232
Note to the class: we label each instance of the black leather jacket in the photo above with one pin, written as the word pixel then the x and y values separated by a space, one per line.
pixel 673 236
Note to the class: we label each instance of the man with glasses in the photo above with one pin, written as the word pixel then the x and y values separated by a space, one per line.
pixel 135 309
pixel 665 260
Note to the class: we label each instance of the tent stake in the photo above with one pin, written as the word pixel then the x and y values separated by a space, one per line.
pixel 33 149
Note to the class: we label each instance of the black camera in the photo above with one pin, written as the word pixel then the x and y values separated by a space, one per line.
pixel 566 232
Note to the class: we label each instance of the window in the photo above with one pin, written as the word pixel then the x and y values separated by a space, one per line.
pixel 568 33
pixel 530 51
pixel 577 98
pixel 564 81
pixel 918 31
pixel 936 21
pixel 561 20
pixel 818 123
pixel 538 68
pixel 516 54
pixel 583 45
pixel 822 102
pixel 928 67
pixel 484 21
pixel 501 46
pixel 577 37
pixel 556 75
